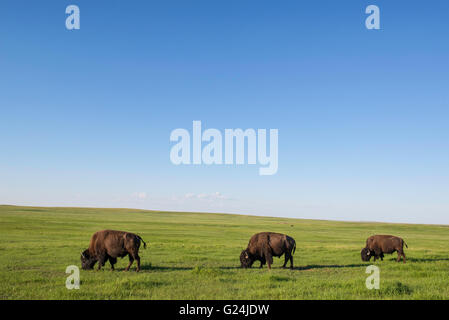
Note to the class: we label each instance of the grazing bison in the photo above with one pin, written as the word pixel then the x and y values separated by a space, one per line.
pixel 108 245
pixel 266 245
pixel 377 245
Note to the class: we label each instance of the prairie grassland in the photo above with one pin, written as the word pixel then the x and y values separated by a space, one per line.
pixel 196 256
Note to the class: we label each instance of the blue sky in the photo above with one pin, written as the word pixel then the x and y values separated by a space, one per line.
pixel 86 115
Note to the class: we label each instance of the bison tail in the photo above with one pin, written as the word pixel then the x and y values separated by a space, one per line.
pixel 406 245
pixel 294 247
pixel 144 244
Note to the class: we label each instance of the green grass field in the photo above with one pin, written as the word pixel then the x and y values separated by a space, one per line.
pixel 196 256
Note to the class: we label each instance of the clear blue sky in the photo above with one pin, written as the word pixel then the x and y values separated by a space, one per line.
pixel 363 115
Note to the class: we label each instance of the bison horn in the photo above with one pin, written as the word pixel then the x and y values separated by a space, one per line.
pixel 368 253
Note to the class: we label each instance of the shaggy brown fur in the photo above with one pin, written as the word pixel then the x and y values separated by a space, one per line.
pixel 266 245
pixel 109 245
pixel 377 245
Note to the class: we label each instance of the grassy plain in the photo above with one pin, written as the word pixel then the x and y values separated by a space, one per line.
pixel 195 256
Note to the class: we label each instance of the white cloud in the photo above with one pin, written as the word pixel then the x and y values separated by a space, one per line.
pixel 140 195
pixel 205 196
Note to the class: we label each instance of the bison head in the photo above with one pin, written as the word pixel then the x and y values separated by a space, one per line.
pixel 87 261
pixel 246 261
pixel 366 254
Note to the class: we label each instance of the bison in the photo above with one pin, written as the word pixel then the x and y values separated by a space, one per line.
pixel 377 245
pixel 108 245
pixel 266 245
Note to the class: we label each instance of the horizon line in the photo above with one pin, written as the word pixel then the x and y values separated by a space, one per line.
pixel 227 213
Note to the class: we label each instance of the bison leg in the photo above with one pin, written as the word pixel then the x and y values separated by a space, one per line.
pixel 137 258
pixel 269 258
pixel 131 260
pixel 101 262
pixel 112 261
pixel 286 258
pixel 269 261
pixel 291 261
pixel 401 253
pixel 377 254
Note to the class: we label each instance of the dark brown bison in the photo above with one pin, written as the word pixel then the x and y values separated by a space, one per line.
pixel 266 245
pixel 377 245
pixel 109 245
